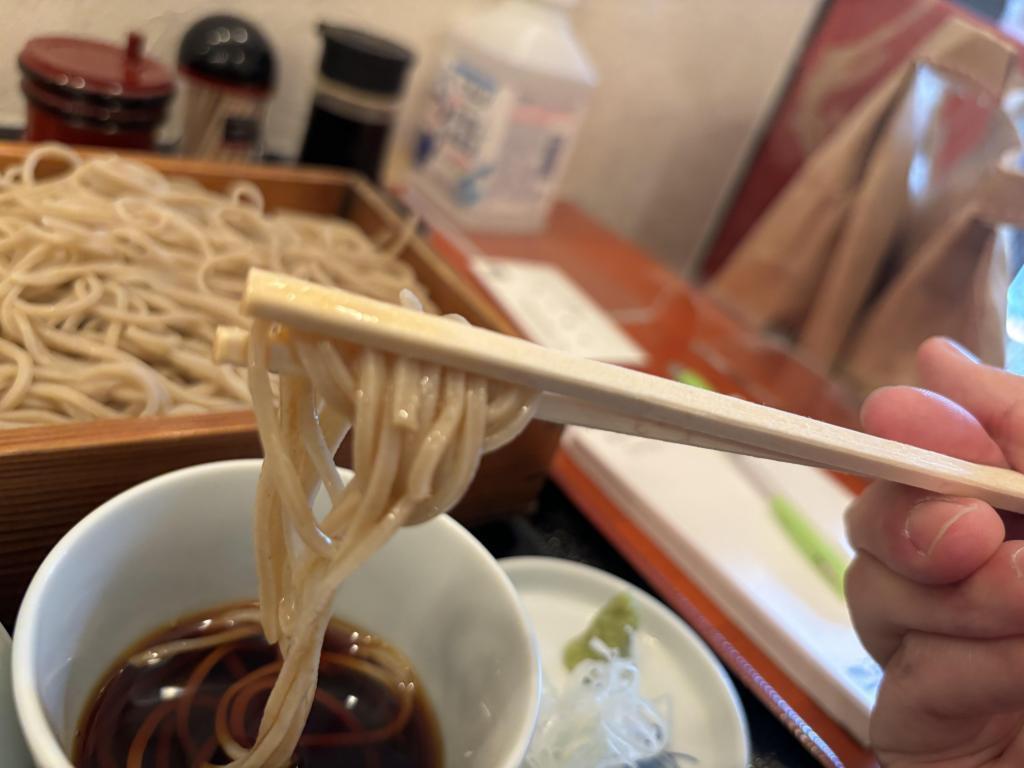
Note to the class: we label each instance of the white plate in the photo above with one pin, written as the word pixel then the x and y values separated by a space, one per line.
pixel 12 746
pixel 561 596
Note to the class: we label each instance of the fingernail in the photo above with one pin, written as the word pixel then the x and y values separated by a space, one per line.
pixel 1018 565
pixel 926 525
pixel 962 349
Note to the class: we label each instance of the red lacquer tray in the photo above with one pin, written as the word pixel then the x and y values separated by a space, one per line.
pixel 679 326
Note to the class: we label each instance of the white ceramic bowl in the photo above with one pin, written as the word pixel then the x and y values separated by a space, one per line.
pixel 181 543
pixel 12 746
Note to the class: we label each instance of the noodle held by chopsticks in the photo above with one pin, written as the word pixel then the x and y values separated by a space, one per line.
pixel 418 433
pixel 113 277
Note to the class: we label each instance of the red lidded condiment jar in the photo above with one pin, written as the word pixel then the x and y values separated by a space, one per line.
pixel 88 92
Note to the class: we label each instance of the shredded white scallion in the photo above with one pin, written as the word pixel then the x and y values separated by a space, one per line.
pixel 599 720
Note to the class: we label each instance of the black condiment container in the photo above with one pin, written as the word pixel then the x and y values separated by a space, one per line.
pixel 362 77
pixel 228 68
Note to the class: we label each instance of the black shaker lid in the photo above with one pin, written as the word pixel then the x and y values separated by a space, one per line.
pixel 229 50
pixel 363 60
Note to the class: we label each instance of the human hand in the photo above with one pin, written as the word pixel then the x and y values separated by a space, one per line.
pixel 936 589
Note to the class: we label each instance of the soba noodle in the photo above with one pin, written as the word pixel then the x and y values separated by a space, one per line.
pixel 418 431
pixel 113 277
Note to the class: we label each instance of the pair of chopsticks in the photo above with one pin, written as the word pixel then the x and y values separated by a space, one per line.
pixel 592 394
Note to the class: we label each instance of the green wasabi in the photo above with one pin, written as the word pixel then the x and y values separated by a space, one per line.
pixel 613 625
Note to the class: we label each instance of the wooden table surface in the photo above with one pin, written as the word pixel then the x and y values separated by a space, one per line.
pixel 679 326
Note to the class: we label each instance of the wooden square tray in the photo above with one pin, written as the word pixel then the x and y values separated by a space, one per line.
pixel 51 476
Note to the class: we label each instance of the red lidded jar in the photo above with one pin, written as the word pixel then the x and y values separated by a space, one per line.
pixel 88 92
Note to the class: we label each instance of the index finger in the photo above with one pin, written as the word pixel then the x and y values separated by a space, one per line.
pixel 994 396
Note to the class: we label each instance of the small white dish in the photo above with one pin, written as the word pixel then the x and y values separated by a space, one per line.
pixel 12 745
pixel 561 597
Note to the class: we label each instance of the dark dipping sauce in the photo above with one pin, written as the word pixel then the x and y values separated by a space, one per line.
pixel 163 715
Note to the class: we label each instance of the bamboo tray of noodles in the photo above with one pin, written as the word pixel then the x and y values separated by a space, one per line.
pixel 51 476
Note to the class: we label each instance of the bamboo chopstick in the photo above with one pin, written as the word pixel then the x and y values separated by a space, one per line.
pixel 610 397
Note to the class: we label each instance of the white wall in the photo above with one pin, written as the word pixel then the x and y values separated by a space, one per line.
pixel 683 83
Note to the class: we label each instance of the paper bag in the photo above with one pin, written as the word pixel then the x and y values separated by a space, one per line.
pixel 866 202
pixel 955 285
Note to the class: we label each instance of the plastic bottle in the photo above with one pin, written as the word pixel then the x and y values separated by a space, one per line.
pixel 503 115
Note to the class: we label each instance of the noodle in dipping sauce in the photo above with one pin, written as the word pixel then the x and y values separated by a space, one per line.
pixel 368 710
